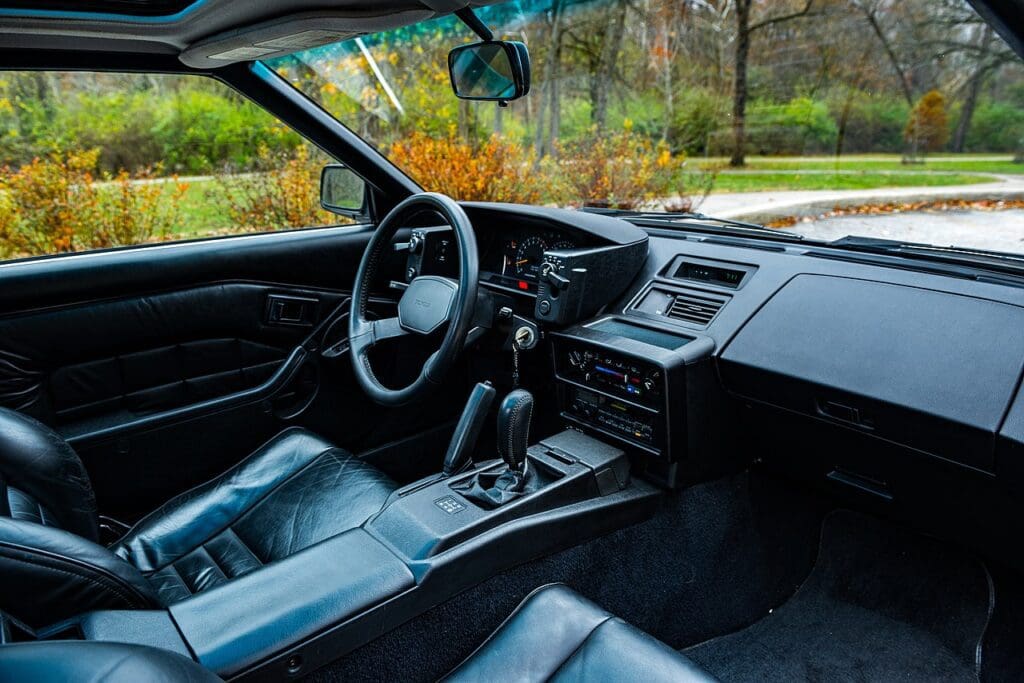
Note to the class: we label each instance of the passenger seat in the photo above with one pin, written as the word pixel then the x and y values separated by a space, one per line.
pixel 558 635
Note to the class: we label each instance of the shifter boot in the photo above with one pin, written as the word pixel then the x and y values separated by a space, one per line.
pixel 493 489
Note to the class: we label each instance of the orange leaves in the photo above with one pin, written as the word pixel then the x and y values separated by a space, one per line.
pixel 928 126
pixel 495 170
pixel 610 169
pixel 60 204
pixel 623 170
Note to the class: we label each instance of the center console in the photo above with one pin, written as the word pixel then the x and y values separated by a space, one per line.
pixel 636 385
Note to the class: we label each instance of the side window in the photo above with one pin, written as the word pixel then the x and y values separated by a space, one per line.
pixel 97 160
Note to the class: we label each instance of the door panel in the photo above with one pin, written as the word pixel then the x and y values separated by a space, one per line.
pixel 117 350
pixel 90 366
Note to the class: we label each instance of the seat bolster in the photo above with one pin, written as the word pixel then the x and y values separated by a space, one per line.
pixel 556 634
pixel 55 660
pixel 617 651
pixel 36 460
pixel 50 575
pixel 539 636
pixel 189 520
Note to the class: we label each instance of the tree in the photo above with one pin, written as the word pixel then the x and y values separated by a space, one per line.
pixel 928 127
pixel 744 31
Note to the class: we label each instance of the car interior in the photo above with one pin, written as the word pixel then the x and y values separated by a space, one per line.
pixel 485 441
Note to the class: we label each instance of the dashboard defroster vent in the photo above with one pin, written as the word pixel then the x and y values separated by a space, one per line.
pixel 699 309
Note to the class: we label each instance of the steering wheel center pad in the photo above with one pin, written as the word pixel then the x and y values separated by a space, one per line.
pixel 427 303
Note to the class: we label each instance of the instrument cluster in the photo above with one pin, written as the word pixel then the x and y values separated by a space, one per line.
pixel 516 259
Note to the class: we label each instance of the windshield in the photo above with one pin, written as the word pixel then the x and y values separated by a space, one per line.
pixel 901 120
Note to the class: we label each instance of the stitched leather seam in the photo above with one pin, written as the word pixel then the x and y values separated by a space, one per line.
pixel 494 634
pixel 213 560
pixel 181 579
pixel 582 644
pixel 68 569
pixel 269 493
pixel 242 543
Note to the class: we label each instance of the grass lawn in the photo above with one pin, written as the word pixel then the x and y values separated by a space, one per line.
pixel 203 210
pixel 742 182
pixel 966 163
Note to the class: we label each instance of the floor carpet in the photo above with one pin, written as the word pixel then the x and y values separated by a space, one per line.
pixel 881 604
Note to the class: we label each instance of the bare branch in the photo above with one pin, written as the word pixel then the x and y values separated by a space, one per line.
pixel 783 17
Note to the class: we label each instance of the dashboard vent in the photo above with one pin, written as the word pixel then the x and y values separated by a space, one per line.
pixel 699 309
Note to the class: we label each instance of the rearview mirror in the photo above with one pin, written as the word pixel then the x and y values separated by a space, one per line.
pixel 496 70
pixel 342 191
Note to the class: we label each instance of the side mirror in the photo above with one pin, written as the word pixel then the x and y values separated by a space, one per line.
pixel 342 191
pixel 496 70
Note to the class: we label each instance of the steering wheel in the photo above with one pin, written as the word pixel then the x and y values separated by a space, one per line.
pixel 427 304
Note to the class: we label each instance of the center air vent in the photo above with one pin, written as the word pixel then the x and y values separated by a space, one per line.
pixel 697 308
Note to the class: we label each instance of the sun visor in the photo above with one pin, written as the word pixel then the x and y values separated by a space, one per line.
pixel 290 34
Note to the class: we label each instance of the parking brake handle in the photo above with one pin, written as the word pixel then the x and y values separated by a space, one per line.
pixel 460 449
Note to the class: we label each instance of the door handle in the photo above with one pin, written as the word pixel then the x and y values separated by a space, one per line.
pixel 291 310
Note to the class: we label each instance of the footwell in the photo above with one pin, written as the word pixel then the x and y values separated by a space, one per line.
pixel 880 604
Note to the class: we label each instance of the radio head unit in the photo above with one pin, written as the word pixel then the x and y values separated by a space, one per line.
pixel 627 382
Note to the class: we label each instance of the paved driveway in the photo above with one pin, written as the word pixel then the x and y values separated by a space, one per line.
pixel 995 230
pixel 765 206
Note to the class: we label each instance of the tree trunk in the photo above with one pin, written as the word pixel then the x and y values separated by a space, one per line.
pixel 739 98
pixel 549 93
pixel 973 90
pixel 608 60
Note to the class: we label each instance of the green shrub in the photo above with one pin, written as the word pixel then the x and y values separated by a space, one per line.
pixel 874 123
pixel 996 127
pixel 800 126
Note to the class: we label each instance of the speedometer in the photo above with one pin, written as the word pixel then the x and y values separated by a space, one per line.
pixel 528 257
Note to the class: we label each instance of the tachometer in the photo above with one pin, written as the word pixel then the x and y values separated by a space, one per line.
pixel 528 257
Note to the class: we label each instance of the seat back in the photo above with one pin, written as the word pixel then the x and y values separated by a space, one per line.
pixel 51 566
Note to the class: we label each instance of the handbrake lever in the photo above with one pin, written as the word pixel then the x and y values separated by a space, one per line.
pixel 468 430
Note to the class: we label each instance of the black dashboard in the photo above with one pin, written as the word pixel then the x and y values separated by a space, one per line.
pixel 657 336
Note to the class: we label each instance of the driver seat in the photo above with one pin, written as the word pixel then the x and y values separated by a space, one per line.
pixel 293 492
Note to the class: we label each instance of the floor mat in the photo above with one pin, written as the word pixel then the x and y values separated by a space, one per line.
pixel 881 604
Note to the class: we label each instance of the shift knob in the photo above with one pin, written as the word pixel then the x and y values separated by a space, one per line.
pixel 514 415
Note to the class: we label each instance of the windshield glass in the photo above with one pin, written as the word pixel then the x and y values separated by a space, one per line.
pixel 902 120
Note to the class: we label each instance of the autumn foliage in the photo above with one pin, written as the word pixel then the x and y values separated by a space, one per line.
pixel 283 192
pixel 928 127
pixel 494 170
pixel 610 169
pixel 61 203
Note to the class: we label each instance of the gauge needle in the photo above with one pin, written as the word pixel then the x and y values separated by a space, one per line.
pixel 522 261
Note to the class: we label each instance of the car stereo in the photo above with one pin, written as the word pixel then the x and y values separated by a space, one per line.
pixel 614 393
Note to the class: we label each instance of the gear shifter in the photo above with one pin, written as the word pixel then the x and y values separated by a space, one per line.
pixel 493 489
pixel 514 415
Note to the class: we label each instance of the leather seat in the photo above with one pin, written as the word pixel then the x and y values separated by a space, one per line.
pixel 294 491
pixel 558 635
pixel 84 661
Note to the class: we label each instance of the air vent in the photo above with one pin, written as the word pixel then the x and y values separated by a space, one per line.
pixel 698 309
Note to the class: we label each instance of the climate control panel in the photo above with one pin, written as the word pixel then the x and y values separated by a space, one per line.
pixel 623 376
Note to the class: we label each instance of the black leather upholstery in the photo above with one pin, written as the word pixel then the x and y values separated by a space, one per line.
pixel 136 356
pixel 42 479
pixel 84 662
pixel 294 491
pixel 557 635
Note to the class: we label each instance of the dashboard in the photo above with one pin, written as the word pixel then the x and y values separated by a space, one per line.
pixel 564 265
